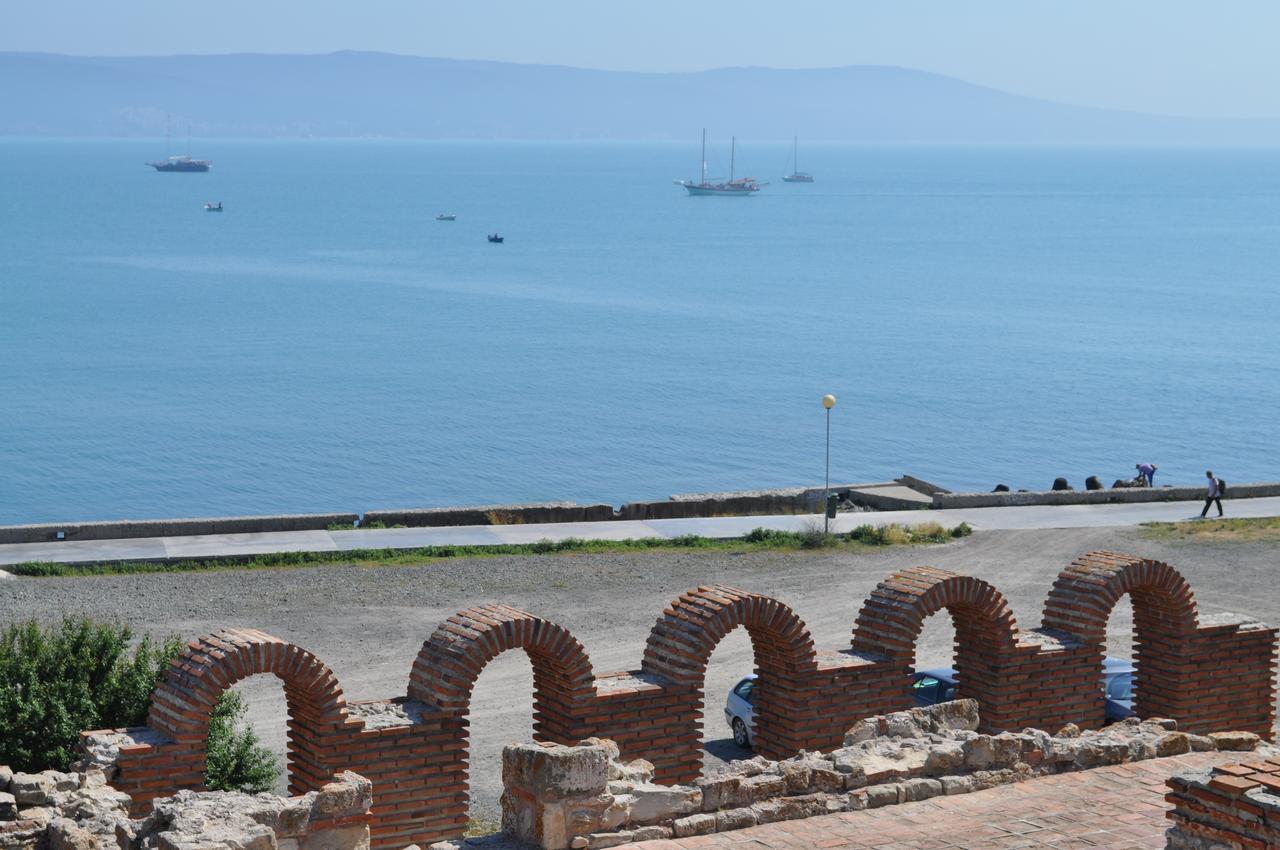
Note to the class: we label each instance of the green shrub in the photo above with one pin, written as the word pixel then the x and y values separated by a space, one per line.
pixel 962 530
pixel 813 535
pixel 766 535
pixel 58 680
pixel 236 761
pixel 872 535
pixel 76 675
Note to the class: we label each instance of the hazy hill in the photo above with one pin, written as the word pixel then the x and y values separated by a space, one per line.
pixel 375 94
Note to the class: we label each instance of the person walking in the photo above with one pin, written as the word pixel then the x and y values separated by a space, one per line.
pixel 1146 471
pixel 1213 494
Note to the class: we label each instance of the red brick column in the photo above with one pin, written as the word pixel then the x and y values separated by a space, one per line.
pixel 1230 807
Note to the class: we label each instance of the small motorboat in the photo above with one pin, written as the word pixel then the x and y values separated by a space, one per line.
pixel 493 237
pixel 213 207
pixel 446 217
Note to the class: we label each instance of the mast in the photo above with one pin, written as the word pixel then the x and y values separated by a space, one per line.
pixel 704 155
pixel 795 154
pixel 733 142
pixel 167 148
pixel 188 140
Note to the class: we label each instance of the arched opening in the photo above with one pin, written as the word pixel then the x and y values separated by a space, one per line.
pixel 728 716
pixel 682 641
pixel 500 713
pixel 1083 603
pixel 892 620
pixel 264 708
pixel 558 675
pixel 182 705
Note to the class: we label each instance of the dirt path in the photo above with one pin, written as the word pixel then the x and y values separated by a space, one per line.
pixel 368 623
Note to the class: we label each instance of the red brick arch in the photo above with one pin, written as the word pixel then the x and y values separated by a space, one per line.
pixel 681 642
pixel 449 662
pixel 181 705
pixel 1165 622
pixel 1084 594
pixel 892 617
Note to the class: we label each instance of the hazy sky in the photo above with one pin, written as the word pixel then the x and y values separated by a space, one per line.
pixel 1175 56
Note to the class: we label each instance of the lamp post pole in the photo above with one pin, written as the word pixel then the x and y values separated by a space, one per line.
pixel 828 401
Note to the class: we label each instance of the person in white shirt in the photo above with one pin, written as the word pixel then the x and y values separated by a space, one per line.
pixel 1212 495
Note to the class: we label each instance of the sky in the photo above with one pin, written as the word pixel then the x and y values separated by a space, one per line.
pixel 1185 57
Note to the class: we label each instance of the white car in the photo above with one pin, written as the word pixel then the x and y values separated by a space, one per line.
pixel 739 712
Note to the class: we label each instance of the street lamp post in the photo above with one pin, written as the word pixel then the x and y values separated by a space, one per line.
pixel 828 401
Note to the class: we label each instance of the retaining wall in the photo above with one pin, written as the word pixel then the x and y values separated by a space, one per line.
pixel 491 515
pixel 119 529
pixel 1207 674
pixel 1119 495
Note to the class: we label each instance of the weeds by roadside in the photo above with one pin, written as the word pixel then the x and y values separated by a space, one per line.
pixel 1242 530
pixel 810 537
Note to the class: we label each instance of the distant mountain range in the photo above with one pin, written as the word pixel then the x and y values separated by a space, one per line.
pixel 353 94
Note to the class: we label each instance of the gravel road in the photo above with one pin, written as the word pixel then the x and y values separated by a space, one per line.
pixel 368 623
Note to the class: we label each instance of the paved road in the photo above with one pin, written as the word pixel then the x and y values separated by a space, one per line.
pixel 1109 808
pixel 214 545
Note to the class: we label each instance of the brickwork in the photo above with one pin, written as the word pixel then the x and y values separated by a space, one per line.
pixel 1208 673
pixel 1228 807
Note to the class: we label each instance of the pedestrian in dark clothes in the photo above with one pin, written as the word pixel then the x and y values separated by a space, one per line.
pixel 1213 495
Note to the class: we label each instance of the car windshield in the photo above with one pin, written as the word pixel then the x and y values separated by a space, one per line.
pixel 1121 687
pixel 925 689
pixel 746 689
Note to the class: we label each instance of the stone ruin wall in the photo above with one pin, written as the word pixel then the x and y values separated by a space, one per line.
pixel 53 810
pixel 585 798
pixel 1207 673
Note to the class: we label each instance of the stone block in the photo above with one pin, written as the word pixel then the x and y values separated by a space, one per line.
pixel 8 807
pixel 957 784
pixel 721 792
pixel 556 771
pixel 979 753
pixel 655 803
pixel 33 789
pixel 1173 744
pixel 1234 741
pixel 920 789
pixel 6 776
pixel 699 824
pixel 944 759
pixel 597 840
pixel 764 787
pixel 881 795
pixel 768 811
pixel 735 819
pixel 863 730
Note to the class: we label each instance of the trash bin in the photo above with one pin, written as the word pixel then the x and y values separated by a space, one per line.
pixel 833 500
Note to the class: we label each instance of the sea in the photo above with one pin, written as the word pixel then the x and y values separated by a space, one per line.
pixel 983 315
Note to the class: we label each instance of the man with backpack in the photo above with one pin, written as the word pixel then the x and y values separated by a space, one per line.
pixel 1216 490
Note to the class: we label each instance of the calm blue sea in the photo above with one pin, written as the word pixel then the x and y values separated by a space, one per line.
pixel 983 314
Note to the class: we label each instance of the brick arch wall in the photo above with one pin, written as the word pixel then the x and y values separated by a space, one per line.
pixel 688 631
pixel 891 619
pixel 1209 673
pixel 451 659
pixel 182 703
pixel 1166 624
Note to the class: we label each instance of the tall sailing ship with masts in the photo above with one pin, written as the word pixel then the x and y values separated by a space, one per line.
pixel 739 186
pixel 181 162
pixel 796 175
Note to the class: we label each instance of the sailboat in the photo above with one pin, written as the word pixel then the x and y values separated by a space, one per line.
pixel 797 176
pixel 179 163
pixel 740 186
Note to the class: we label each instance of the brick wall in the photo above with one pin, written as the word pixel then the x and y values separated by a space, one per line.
pixel 1210 674
pixel 1230 807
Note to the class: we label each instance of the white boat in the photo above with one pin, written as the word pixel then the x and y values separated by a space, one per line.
pixel 740 186
pixel 446 217
pixel 213 207
pixel 796 175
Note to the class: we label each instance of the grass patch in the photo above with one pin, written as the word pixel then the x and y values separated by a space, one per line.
pixel 479 826
pixel 810 537
pixel 1243 530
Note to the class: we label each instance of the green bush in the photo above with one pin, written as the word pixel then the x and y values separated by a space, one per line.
pixel 872 535
pixel 58 680
pixel 962 530
pixel 768 535
pixel 813 535
pixel 236 761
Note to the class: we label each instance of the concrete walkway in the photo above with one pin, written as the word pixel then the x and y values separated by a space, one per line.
pixel 220 545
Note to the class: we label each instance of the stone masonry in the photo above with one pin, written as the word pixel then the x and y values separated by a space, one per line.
pixel 80 811
pixel 1207 673
pixel 557 797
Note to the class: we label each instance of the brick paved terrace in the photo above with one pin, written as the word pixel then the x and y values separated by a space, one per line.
pixel 1109 808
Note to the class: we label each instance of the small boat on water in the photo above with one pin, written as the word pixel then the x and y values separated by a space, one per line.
pixel 796 175
pixel 213 207
pixel 446 217
pixel 493 237
pixel 740 186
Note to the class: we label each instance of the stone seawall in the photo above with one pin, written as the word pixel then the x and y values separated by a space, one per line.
pixel 128 528
pixel 1119 495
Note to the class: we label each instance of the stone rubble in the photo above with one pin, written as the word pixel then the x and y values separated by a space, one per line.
pixel 53 810
pixel 582 797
